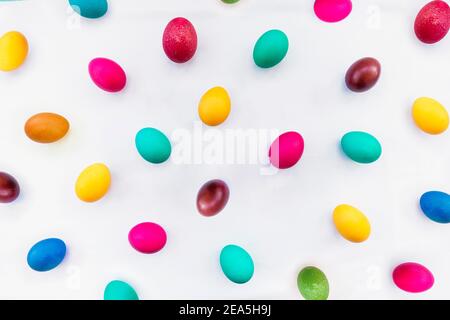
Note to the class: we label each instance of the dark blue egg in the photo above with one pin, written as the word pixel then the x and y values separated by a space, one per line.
pixel 436 206
pixel 46 254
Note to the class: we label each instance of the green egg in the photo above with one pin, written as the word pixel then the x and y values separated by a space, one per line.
pixel 153 145
pixel 361 147
pixel 119 290
pixel 313 284
pixel 230 1
pixel 236 263
pixel 270 49
pixel 91 9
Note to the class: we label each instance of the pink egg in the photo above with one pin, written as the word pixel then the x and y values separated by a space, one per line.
pixel 286 150
pixel 332 10
pixel 412 277
pixel 107 74
pixel 147 237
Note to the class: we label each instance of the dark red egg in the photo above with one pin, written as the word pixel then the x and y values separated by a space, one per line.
pixel 212 197
pixel 432 22
pixel 9 188
pixel 363 74
pixel 180 40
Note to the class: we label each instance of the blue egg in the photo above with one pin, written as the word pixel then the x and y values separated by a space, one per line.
pixel 91 9
pixel 46 254
pixel 436 206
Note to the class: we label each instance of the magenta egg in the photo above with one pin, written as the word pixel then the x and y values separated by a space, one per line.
pixel 286 150
pixel 147 237
pixel 179 40
pixel 332 10
pixel 412 277
pixel 107 74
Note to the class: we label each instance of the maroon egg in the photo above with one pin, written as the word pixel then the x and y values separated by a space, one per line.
pixel 432 22
pixel 212 197
pixel 180 40
pixel 9 188
pixel 363 74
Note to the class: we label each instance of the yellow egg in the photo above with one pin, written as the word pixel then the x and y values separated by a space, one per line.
pixel 13 50
pixel 351 223
pixel 215 106
pixel 93 183
pixel 430 116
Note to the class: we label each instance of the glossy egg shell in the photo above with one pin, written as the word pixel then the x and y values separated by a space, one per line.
pixel 147 237
pixel 107 74
pixel 13 50
pixel 46 254
pixel 9 188
pixel 286 150
pixel 179 40
pixel 412 277
pixel 432 22
pixel 212 197
pixel 363 74
pixel 46 127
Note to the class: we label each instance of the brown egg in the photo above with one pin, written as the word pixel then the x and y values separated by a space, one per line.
pixel 212 197
pixel 363 74
pixel 9 188
pixel 46 127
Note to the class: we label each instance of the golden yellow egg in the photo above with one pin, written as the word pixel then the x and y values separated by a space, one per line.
pixel 93 182
pixel 430 116
pixel 13 50
pixel 215 106
pixel 351 223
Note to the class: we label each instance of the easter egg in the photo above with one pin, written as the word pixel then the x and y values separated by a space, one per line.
pixel 236 264
pixel 363 74
pixel 46 127
pixel 432 22
pixel 119 290
pixel 147 237
pixel 153 145
pixel 13 50
pixel 332 10
pixel 230 1
pixel 179 40
pixel 436 206
pixel 361 146
pixel 286 150
pixel 93 182
pixel 107 74
pixel 212 197
pixel 351 223
pixel 46 254
pixel 9 188
pixel 270 49
pixel 412 277
pixel 214 107
pixel 91 9
pixel 430 116
pixel 313 284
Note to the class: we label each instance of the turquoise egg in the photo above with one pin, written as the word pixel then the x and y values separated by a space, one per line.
pixel 91 9
pixel 46 254
pixel 270 49
pixel 119 290
pixel 236 263
pixel 361 146
pixel 153 145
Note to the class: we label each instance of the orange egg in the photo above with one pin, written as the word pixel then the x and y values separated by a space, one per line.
pixel 46 127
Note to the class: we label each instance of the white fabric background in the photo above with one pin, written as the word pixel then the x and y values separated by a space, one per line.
pixel 283 220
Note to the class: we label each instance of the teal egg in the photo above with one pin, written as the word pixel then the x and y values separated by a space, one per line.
pixel 153 145
pixel 313 284
pixel 270 49
pixel 91 9
pixel 236 263
pixel 361 146
pixel 119 290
